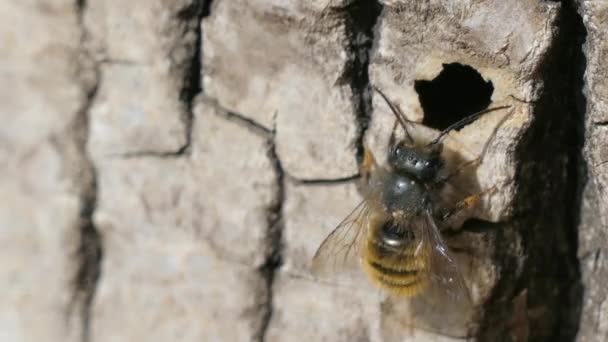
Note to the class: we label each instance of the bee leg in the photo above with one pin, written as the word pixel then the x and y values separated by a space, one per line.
pixel 367 165
pixel 452 217
pixel 446 178
pixel 482 155
pixel 392 139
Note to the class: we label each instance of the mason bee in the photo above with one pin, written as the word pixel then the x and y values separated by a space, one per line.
pixel 393 238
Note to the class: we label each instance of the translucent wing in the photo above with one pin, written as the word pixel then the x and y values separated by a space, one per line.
pixel 445 306
pixel 446 277
pixel 338 256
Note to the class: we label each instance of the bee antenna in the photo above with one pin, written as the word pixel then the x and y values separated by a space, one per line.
pixel 463 122
pixel 400 117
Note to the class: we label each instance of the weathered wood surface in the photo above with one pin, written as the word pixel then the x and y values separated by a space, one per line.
pixel 159 163
pixel 593 231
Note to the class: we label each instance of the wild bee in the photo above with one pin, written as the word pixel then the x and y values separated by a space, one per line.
pixel 393 237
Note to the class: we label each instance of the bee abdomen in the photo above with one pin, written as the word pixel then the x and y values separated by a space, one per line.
pixel 398 281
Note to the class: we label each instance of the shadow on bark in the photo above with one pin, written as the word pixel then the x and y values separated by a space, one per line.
pixel 550 178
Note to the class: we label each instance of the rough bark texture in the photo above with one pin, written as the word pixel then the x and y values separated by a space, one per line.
pixel 168 168
pixel 592 231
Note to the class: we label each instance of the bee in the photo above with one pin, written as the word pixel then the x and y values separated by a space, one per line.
pixel 393 237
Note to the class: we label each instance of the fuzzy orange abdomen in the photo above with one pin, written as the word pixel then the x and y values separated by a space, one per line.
pixel 402 273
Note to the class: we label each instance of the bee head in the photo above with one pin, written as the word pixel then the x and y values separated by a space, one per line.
pixel 422 162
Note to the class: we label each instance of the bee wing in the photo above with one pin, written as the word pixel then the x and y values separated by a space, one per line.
pixel 445 306
pixel 338 255
pixel 446 277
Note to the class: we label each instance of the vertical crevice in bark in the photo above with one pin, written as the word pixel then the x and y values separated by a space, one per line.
pixel 192 83
pixel 191 70
pixel 360 18
pixel 90 246
pixel 273 246
pixel 550 178
pixel 206 8
pixel 274 239
pixel 274 214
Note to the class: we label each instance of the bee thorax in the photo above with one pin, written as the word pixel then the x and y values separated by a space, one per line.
pixel 403 195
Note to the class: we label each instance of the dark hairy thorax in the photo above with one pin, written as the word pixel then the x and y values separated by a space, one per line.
pixel 407 192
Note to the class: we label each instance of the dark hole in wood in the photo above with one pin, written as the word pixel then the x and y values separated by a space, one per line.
pixel 457 92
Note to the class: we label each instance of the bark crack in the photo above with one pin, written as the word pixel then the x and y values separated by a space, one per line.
pixel 238 118
pixel 90 245
pixel 268 133
pixel 360 18
pixel 273 248
pixel 274 239
pixel 600 123
pixel 191 82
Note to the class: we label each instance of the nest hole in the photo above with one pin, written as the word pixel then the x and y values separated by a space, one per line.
pixel 457 92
